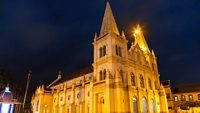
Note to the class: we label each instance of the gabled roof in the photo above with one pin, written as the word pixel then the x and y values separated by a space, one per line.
pixel 187 88
pixel 73 75
pixel 108 24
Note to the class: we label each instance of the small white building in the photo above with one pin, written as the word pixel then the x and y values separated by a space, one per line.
pixel 7 102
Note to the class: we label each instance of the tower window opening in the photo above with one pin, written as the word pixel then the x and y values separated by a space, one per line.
pixel 116 50
pixel 100 75
pixel 104 50
pixel 104 75
pixel 100 52
pixel 120 52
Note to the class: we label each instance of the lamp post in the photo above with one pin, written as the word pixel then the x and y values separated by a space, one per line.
pixel 27 86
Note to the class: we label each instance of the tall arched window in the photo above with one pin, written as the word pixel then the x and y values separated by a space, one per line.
pixel 100 75
pixel 116 50
pixel 100 52
pixel 104 74
pixel 150 85
pixel 135 105
pixel 141 81
pixel 144 105
pixel 104 50
pixel 133 79
pixel 120 52
pixel 152 106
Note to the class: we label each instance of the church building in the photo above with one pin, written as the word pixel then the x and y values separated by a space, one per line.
pixel 120 80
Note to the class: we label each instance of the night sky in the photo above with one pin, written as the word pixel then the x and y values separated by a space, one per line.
pixel 47 36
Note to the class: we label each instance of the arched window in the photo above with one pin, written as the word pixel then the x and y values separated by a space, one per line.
pixel 175 99
pixel 116 50
pixel 150 85
pixel 120 52
pixel 144 105
pixel 104 50
pixel 135 105
pixel 100 52
pixel 133 79
pixel 104 74
pixel 141 81
pixel 190 97
pixel 182 97
pixel 152 106
pixel 100 75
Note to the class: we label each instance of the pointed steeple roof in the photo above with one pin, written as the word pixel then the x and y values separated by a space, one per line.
pixel 108 24
pixel 140 39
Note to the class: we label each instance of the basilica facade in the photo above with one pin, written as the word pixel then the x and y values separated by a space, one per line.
pixel 120 80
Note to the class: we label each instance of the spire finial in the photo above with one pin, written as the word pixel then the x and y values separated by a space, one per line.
pixel 59 74
pixel 123 35
pixel 108 24
pixel 95 36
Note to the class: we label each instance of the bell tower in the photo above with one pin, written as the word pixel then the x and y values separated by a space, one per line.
pixel 110 47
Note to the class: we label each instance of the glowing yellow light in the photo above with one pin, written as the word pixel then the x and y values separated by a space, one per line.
pixel 137 30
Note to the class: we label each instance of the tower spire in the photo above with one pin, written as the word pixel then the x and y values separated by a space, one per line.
pixel 140 39
pixel 108 24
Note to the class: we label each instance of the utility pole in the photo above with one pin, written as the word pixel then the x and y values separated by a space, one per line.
pixel 27 86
